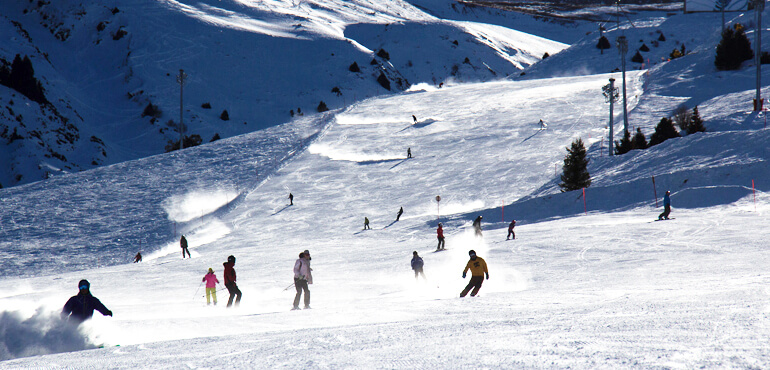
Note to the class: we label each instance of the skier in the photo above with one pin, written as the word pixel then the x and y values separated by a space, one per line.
pixel 291 199
pixel 366 223
pixel 440 235
pixel 81 307
pixel 183 244
pixel 414 118
pixel 230 284
pixel 417 265
pixel 138 257
pixel 478 269
pixel 477 225
pixel 510 230
pixel 666 206
pixel 408 153
pixel 211 286
pixel 302 277
pixel 543 125
pixel 400 212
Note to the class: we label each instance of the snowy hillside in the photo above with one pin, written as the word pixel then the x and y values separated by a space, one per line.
pixel 590 281
pixel 109 70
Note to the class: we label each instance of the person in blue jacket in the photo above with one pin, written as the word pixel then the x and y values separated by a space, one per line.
pixel 81 307
pixel 666 206
pixel 417 265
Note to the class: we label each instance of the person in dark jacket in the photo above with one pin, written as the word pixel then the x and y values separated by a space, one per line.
pixel 510 230
pixel 666 206
pixel 183 244
pixel 291 199
pixel 400 212
pixel 230 284
pixel 366 223
pixel 408 153
pixel 477 225
pixel 417 264
pixel 81 307
pixel 138 257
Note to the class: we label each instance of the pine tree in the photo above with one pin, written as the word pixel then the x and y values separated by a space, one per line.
pixel 575 174
pixel 663 131
pixel 696 123
pixel 624 145
pixel 639 141
pixel 637 58
pixel 603 44
pixel 733 49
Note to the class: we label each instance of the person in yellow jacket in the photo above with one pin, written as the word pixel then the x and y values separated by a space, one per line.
pixel 478 268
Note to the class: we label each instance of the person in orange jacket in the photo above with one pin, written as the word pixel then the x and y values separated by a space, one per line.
pixel 478 268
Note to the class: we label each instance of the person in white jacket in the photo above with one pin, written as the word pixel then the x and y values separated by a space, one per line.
pixel 302 277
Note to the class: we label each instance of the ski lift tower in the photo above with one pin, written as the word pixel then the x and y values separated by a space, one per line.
pixel 622 44
pixel 759 7
pixel 611 96
pixel 181 79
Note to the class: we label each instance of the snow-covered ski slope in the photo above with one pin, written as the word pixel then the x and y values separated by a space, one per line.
pixel 607 289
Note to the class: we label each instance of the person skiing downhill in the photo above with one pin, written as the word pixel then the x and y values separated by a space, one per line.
pixel 302 277
pixel 440 236
pixel 138 257
pixel 291 199
pixel 81 307
pixel 543 125
pixel 366 223
pixel 417 265
pixel 400 212
pixel 414 118
pixel 230 284
pixel 478 268
pixel 477 225
pixel 211 286
pixel 666 206
pixel 510 230
pixel 183 244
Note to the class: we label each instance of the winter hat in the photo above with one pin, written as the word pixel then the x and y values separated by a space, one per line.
pixel 301 254
pixel 211 270
pixel 84 285
pixel 414 253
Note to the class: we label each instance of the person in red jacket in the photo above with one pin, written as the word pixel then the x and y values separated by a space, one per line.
pixel 440 235
pixel 230 284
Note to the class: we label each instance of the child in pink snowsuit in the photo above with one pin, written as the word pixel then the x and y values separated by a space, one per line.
pixel 211 286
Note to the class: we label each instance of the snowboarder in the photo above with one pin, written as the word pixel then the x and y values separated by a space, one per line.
pixel 230 284
pixel 510 230
pixel 81 307
pixel 478 269
pixel 543 125
pixel 211 286
pixel 366 223
pixel 183 244
pixel 417 264
pixel 408 153
pixel 477 225
pixel 440 235
pixel 400 212
pixel 414 118
pixel 291 199
pixel 666 206
pixel 138 257
pixel 302 277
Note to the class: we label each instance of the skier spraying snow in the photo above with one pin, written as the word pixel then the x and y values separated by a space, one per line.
pixel 230 284
pixel 400 212
pixel 81 307
pixel 183 244
pixel 211 286
pixel 302 277
pixel 510 230
pixel 417 264
pixel 666 206
pixel 478 268
pixel 477 225
pixel 440 236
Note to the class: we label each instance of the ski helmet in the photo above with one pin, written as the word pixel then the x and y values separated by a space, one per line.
pixel 84 285
pixel 231 259
pixel 472 253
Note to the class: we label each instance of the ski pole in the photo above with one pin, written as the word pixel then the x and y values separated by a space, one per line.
pixel 196 290
pixel 287 288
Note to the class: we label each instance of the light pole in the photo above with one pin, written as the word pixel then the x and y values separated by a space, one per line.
pixel 181 79
pixel 759 6
pixel 611 96
pixel 622 44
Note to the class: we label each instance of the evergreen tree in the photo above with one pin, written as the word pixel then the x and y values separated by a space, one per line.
pixel 603 44
pixel 733 49
pixel 696 123
pixel 637 58
pixel 663 131
pixel 639 141
pixel 624 145
pixel 575 174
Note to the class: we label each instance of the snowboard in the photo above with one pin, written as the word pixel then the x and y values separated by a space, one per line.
pixel 439 250
pixel 666 219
